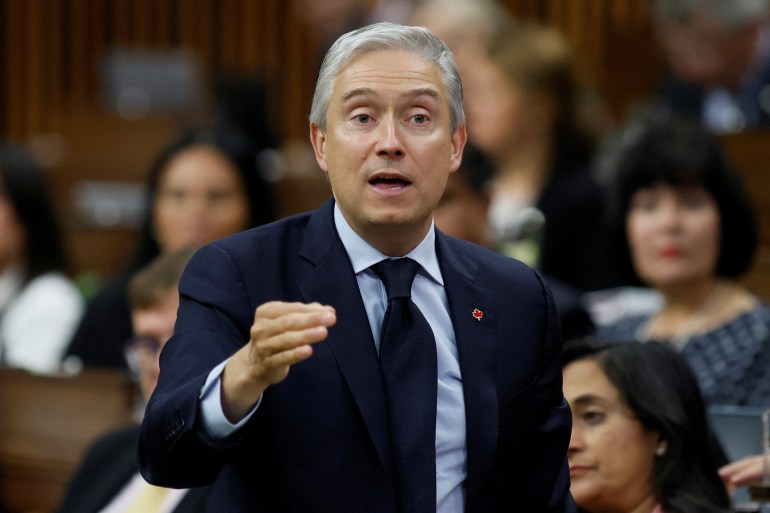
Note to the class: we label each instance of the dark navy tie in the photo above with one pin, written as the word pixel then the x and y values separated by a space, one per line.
pixel 408 363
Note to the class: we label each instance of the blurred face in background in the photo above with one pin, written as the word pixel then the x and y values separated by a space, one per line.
pixel 462 211
pixel 673 235
pixel 706 52
pixel 12 232
pixel 611 455
pixel 200 198
pixel 153 326
pixel 501 116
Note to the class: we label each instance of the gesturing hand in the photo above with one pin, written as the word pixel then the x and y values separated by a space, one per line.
pixel 282 335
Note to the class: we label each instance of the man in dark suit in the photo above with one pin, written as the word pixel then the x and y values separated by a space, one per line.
pixel 277 386
pixel 107 479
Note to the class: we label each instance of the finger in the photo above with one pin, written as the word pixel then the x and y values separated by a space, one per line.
pixel 287 341
pixel 737 465
pixel 288 358
pixel 275 309
pixel 264 329
pixel 276 367
pixel 743 471
pixel 746 475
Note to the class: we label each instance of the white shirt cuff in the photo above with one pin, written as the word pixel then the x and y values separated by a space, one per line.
pixel 212 415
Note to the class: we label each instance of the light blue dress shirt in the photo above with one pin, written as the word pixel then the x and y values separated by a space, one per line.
pixel 429 295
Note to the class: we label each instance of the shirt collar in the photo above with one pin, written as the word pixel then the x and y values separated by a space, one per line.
pixel 363 255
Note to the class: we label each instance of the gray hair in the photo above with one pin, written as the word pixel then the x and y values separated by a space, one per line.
pixel 381 37
pixel 730 13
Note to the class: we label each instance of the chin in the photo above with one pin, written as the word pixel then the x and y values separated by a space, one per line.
pixel 584 495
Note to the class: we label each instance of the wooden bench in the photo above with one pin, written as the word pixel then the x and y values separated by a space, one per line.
pixel 46 424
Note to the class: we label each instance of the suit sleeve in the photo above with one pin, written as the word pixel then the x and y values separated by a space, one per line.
pixel 213 322
pixel 541 435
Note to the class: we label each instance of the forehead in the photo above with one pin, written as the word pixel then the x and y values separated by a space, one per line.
pixel 584 378
pixel 377 71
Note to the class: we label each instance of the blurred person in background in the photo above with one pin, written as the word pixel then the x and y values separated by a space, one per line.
pixel 466 26
pixel 719 58
pixel 640 438
pixel 523 102
pixel 203 186
pixel 107 479
pixel 39 305
pixel 329 19
pixel 462 210
pixel 684 226
pixel 462 213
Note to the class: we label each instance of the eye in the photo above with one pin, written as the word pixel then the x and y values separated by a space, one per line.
pixel 420 118
pixel 593 417
pixel 644 200
pixel 172 194
pixel 362 118
pixel 218 196
pixel 694 199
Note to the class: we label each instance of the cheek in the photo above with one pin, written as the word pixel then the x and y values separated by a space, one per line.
pixel 235 216
pixel 710 238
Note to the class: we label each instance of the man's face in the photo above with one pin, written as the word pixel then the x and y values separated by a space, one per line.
pixel 153 327
pixel 388 148
pixel 705 52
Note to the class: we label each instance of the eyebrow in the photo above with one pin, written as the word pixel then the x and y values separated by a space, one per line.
pixel 589 399
pixel 414 93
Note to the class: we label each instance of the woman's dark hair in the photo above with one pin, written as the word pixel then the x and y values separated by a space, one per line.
pixel 26 187
pixel 681 153
pixel 239 150
pixel 656 383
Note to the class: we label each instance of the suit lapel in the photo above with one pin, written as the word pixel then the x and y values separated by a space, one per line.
pixel 329 279
pixel 476 340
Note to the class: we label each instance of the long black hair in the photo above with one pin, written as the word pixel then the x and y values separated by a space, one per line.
pixel 27 189
pixel 233 145
pixel 656 383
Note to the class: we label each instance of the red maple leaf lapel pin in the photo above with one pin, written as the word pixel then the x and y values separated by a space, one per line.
pixel 477 314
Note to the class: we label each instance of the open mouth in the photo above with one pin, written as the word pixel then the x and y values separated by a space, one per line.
pixel 389 182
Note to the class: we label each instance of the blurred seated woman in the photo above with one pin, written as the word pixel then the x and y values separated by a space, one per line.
pixel 640 441
pixel 684 226
pixel 203 186
pixel 523 101
pixel 39 305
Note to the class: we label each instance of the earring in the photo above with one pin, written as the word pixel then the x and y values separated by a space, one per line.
pixel 661 449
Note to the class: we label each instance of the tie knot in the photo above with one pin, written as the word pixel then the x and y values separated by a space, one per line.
pixel 397 274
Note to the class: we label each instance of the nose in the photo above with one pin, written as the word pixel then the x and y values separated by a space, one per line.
pixel 575 441
pixel 389 143
pixel 669 216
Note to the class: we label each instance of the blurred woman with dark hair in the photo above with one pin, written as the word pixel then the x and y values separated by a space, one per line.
pixel 684 226
pixel 39 305
pixel 640 438
pixel 203 186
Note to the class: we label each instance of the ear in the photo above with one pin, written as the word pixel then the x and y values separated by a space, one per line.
pixel 459 138
pixel 318 140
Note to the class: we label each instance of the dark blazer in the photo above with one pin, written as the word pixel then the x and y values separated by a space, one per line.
pixel 105 328
pixel 106 468
pixel 319 440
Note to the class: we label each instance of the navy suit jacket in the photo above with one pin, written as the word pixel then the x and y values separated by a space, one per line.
pixel 319 441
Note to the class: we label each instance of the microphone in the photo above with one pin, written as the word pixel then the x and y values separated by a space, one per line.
pixel 517 231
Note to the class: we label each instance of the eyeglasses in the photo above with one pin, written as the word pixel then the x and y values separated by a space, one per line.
pixel 140 349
